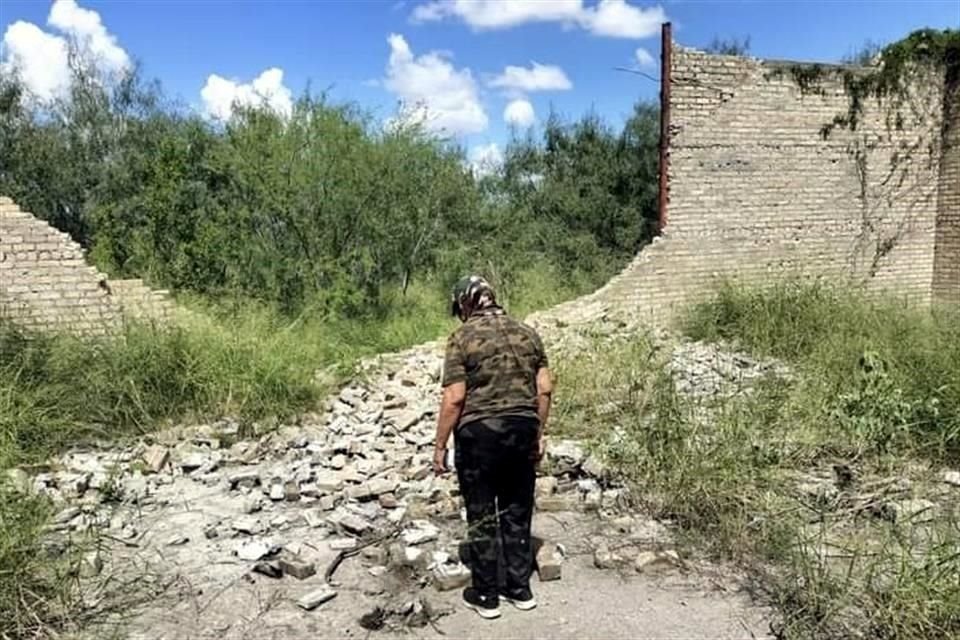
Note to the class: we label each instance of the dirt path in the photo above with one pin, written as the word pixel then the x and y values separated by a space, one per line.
pixel 213 596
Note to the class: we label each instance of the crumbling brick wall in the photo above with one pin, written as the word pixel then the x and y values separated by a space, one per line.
pixel 759 188
pixel 946 264
pixel 46 285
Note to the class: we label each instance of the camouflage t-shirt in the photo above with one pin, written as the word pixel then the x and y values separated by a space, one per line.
pixel 498 359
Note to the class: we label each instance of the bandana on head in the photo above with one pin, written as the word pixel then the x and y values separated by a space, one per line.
pixel 473 293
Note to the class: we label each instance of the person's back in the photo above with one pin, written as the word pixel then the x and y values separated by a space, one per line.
pixel 498 358
pixel 496 399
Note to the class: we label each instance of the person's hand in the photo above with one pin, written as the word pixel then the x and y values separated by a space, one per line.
pixel 540 449
pixel 439 461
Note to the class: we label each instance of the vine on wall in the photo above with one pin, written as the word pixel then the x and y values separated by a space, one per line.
pixel 899 83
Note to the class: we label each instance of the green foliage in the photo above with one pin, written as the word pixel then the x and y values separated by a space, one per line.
pixel 864 55
pixel 322 209
pixel 881 376
pixel 922 50
pixel 729 46
pixel 874 386
pixel 35 587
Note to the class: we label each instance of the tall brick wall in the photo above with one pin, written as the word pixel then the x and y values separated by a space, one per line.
pixel 946 269
pixel 757 191
pixel 45 283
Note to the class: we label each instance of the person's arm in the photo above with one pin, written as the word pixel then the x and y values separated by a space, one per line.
pixel 544 400
pixel 451 406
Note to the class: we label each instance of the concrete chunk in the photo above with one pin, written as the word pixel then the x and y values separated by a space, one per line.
pixel 316 598
pixel 297 567
pixel 549 562
pixel 449 576
pixel 156 457
pixel 650 561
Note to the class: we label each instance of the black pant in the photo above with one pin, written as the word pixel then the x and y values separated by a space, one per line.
pixel 496 470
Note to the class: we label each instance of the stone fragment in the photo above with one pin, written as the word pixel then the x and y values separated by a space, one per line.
pixel 549 562
pixel 291 491
pixel 594 467
pixel 593 499
pixel 328 482
pixel 252 504
pixel 568 454
pixel 421 531
pixel 327 503
pixel 244 479
pixel 310 490
pixel 451 575
pixel 361 492
pixel 342 544
pixel 314 599
pixel 246 525
pixel 951 477
pixel 276 492
pixel 270 568
pixel 545 486
pixel 388 501
pixel 211 532
pixel 555 503
pixel 155 458
pixel 652 561
pixel 297 567
pixel 407 420
pixel 337 462
pixel 177 539
pixel 314 518
pixel 603 558
pixel 253 550
pixel 419 472
pixel 349 522
pixel 192 462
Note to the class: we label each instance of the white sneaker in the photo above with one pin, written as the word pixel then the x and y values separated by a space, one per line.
pixel 523 601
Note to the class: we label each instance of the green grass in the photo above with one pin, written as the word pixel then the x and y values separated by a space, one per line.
pixel 875 388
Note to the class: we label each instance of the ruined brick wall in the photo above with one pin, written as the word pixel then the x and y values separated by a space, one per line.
pixel 45 283
pixel 946 263
pixel 756 190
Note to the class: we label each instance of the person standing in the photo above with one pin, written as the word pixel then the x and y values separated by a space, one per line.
pixel 497 391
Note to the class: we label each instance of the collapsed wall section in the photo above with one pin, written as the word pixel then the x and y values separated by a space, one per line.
pixel 46 285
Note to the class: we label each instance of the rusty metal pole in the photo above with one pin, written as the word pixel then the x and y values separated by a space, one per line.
pixel 666 41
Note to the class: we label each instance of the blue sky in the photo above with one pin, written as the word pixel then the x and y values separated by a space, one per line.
pixel 452 53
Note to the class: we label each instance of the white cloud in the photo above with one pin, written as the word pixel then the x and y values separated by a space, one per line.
pixel 41 59
pixel 617 19
pixel 644 59
pixel 485 159
pixel 38 58
pixel 220 94
pixel 539 77
pixel 85 25
pixel 520 113
pixel 499 14
pixel 610 18
pixel 444 97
